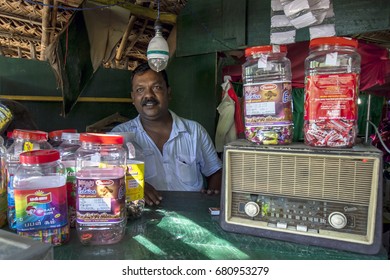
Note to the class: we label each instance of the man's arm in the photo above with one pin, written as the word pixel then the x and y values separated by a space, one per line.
pixel 214 182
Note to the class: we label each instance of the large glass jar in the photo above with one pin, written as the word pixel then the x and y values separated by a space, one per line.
pixel 101 191
pixel 332 72
pixel 266 77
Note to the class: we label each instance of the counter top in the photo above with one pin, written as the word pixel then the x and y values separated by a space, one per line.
pixel 181 228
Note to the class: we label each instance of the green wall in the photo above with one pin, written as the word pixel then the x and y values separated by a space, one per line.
pixel 206 26
pixel 193 83
pixel 192 80
pixel 36 78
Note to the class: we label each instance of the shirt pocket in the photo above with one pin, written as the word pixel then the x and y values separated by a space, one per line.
pixel 150 164
pixel 186 170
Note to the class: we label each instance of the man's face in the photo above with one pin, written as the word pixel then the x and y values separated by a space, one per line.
pixel 150 95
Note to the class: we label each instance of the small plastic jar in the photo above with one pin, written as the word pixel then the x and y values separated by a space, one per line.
pixel 332 77
pixel 267 77
pixel 55 137
pixel 68 147
pixel 24 141
pixel 101 191
pixel 40 197
pixel 135 173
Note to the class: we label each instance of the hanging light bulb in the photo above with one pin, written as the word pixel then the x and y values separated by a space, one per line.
pixel 158 51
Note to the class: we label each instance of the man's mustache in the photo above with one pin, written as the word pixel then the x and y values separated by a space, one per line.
pixel 149 100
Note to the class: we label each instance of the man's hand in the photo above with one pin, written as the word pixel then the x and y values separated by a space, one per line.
pixel 210 191
pixel 152 197
pixel 214 183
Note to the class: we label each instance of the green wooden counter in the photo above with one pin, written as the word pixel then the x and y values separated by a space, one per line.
pixel 181 228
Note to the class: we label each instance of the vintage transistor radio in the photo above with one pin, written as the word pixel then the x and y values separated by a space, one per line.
pixel 319 196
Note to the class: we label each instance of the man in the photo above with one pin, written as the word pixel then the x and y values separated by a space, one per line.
pixel 178 152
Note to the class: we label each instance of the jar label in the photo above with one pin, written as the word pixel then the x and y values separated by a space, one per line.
pixel 40 208
pixel 135 181
pixel 331 97
pixel 28 146
pixel 331 59
pixel 100 200
pixel 268 103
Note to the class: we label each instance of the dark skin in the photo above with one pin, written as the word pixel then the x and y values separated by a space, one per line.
pixel 151 98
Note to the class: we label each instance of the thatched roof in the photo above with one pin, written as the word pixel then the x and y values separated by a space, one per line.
pixel 27 27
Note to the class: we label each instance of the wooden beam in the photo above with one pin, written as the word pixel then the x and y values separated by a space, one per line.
pixel 123 43
pixel 33 53
pixel 20 18
pixel 141 31
pixel 45 27
pixel 9 35
pixel 143 12
pixel 53 21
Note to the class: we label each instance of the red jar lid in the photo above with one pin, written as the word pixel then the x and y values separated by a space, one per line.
pixel 10 134
pixel 336 41
pixel 36 135
pixel 58 133
pixel 100 138
pixel 265 49
pixel 39 156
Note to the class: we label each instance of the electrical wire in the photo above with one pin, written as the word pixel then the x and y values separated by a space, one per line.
pixel 379 136
pixel 158 10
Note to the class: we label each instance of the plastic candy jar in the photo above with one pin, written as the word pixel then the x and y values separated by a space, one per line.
pixel 135 173
pixel 101 191
pixel 332 72
pixel 266 76
pixel 55 137
pixel 40 197
pixel 24 141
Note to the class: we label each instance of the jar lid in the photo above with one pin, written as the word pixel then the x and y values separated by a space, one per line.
pixel 70 136
pixel 10 134
pixel 100 138
pixel 36 135
pixel 39 156
pixel 265 49
pixel 58 133
pixel 336 41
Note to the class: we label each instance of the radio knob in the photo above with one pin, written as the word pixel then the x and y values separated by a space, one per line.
pixel 252 209
pixel 337 220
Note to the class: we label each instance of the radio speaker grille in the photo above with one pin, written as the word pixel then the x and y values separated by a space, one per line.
pixel 324 177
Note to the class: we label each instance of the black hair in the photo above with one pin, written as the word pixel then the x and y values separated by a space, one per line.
pixel 142 68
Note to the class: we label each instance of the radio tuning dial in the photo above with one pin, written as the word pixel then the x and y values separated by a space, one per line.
pixel 337 220
pixel 252 209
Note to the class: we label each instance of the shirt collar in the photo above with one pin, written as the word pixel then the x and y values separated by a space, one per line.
pixel 177 124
